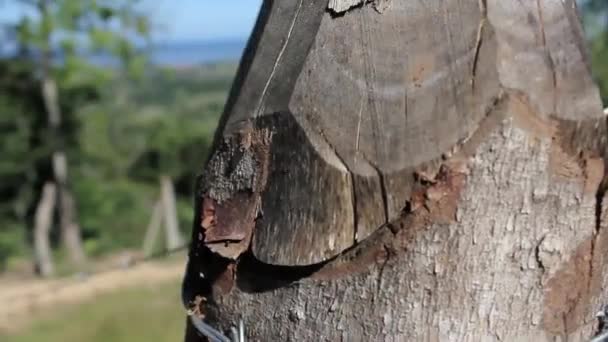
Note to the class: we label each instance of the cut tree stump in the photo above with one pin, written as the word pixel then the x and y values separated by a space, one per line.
pixel 406 171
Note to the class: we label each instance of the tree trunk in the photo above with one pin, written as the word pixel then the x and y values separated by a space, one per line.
pixel 173 235
pixel 406 171
pixel 153 229
pixel 68 218
pixel 70 229
pixel 42 228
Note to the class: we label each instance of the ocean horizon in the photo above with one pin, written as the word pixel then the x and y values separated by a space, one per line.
pixel 183 54
pixel 186 53
pixel 176 53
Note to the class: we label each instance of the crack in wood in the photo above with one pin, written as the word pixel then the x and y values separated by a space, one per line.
pixel 382 186
pixel 359 125
pixel 599 209
pixel 479 41
pixel 370 77
pixel 253 275
pixel 541 23
pixel 340 7
pixel 539 261
pixel 278 60
pixel 549 57
pixel 355 212
pixel 405 109
pixel 493 114
pixel 388 254
pixel 352 182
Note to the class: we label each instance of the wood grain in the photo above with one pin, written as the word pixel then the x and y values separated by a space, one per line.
pixel 367 113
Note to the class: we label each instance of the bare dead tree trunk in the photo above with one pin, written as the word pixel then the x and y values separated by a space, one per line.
pixel 164 210
pixel 68 218
pixel 406 171
pixel 153 229
pixel 173 235
pixel 70 229
pixel 42 227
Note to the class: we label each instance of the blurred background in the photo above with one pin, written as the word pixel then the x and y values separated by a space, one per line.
pixel 107 111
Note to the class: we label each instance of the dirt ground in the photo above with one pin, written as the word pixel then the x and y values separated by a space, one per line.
pixel 20 300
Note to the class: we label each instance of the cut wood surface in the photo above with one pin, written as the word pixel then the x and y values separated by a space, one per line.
pixel 430 171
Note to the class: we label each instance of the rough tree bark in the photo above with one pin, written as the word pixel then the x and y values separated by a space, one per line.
pixel 406 171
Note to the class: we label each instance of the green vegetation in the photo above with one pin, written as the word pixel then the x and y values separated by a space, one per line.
pixel 120 129
pixel 133 132
pixel 150 313
pixel 45 83
pixel 161 125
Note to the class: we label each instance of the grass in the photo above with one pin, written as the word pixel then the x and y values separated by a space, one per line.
pixel 151 313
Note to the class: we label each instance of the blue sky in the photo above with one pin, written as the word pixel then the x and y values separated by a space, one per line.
pixel 203 19
pixel 187 20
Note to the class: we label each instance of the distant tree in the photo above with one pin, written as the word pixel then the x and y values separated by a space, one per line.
pixel 160 137
pixel 139 131
pixel 59 37
pixel 20 147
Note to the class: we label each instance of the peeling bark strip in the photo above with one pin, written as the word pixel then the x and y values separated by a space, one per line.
pixel 436 173
pixel 231 186
pixel 341 6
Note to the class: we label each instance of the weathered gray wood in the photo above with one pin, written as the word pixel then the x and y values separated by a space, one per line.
pixel 370 114
pixel 434 170
pixel 307 207
pixel 541 53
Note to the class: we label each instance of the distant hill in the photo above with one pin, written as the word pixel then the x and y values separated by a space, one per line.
pixel 184 54
pixel 187 54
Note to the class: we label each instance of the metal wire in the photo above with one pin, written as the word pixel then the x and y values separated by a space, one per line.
pixel 216 336
pixel 241 331
pixel 208 331
pixel 601 338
